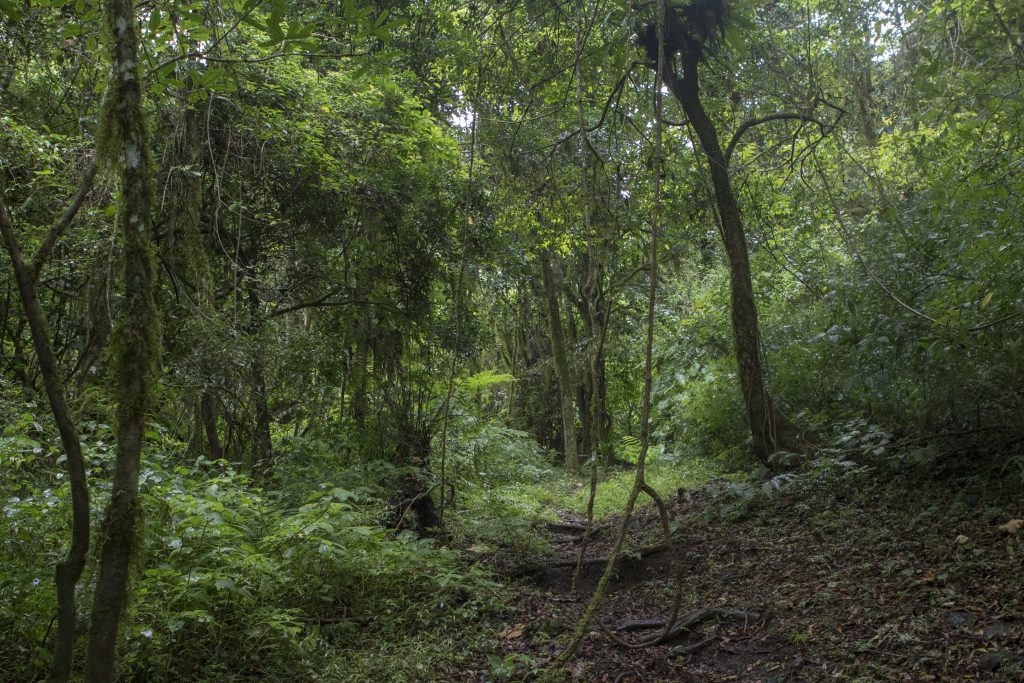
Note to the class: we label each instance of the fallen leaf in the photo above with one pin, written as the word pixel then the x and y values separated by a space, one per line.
pixel 1012 527
pixel 514 632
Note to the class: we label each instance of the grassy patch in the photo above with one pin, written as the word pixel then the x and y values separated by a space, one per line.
pixel 613 487
pixel 546 499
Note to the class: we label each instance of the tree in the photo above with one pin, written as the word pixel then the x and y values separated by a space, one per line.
pixel 565 389
pixel 69 569
pixel 689 32
pixel 125 141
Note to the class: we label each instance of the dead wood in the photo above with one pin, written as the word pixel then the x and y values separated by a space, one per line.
pixel 573 529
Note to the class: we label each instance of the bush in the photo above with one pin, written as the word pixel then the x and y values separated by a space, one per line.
pixel 231 582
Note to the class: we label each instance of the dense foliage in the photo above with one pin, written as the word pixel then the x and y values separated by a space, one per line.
pixel 399 257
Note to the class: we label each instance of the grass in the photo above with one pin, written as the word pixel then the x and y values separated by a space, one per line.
pixel 613 486
pixel 557 492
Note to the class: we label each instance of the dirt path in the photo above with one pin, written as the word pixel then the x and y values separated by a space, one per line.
pixel 853 581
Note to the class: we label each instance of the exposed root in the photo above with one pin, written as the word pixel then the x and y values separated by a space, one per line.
pixel 683 650
pixel 640 624
pixel 686 624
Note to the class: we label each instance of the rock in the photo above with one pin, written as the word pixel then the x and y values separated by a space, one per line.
pixel 956 618
pixel 996 630
pixel 1012 527
pixel 993 661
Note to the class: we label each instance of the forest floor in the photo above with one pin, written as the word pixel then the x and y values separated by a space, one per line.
pixel 912 572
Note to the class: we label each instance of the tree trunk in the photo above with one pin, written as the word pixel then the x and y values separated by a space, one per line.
pixel 69 569
pixel 770 428
pixel 565 389
pixel 136 340
pixel 583 386
pixel 595 317
pixel 360 406
pixel 264 456
pixel 208 414
pixel 189 253
pixel 864 88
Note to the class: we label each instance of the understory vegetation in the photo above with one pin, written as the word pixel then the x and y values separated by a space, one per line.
pixel 394 341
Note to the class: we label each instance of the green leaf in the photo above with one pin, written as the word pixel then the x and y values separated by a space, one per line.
pixel 9 9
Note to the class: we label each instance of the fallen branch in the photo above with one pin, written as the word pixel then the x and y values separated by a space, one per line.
pixel 568 528
pixel 582 539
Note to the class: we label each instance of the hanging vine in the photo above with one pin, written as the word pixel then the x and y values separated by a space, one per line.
pixel 639 482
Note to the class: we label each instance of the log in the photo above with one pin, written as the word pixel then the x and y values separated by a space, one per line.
pixel 578 530
pixel 539 567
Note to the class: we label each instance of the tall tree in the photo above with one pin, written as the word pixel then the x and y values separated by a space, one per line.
pixel 689 31
pixel 125 142
pixel 558 351
pixel 69 569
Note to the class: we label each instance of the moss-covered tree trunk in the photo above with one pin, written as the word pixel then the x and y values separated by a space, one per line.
pixel 582 379
pixel 136 340
pixel 360 405
pixel 189 255
pixel 565 388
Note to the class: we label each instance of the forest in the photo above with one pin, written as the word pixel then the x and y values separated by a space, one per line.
pixel 613 341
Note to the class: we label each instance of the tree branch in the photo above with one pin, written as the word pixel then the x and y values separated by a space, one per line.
pixel 62 223
pixel 781 116
pixel 322 302
pixel 205 56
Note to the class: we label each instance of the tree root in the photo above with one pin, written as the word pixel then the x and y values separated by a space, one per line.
pixel 640 624
pixel 682 650
pixel 683 625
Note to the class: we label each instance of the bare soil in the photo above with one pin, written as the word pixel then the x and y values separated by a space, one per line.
pixel 864 574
